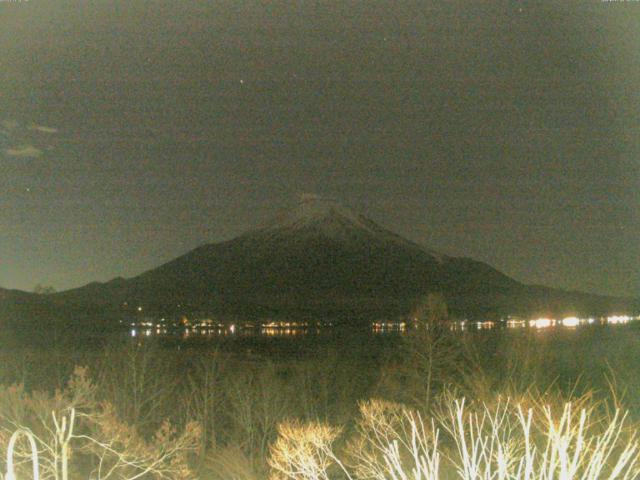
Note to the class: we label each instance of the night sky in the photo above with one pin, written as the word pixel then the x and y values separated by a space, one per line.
pixel 134 131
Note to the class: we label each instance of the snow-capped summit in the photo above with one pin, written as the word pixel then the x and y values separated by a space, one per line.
pixel 325 218
pixel 321 215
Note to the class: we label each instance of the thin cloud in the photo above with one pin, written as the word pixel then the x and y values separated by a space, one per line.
pixel 43 129
pixel 25 151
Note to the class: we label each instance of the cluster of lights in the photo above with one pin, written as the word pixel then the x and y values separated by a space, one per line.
pixel 570 322
pixel 487 325
pixel 285 325
pixel 208 323
pixel 187 328
pixel 379 327
pixel 284 328
pixel 278 332
pixel 542 323
pixel 616 319
pixel 516 323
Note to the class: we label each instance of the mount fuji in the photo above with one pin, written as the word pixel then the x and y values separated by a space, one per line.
pixel 323 261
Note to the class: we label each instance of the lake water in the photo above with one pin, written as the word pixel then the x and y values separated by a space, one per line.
pixel 588 351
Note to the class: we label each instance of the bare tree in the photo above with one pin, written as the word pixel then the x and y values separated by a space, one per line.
pixel 431 352
pixel 72 425
pixel 138 381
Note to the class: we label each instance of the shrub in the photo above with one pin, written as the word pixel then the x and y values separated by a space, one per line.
pixel 502 441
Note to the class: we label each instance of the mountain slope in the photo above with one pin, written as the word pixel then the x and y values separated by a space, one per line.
pixel 322 260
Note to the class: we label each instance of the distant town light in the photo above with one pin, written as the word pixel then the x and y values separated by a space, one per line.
pixel 485 325
pixel 570 322
pixel 616 319
pixel 541 323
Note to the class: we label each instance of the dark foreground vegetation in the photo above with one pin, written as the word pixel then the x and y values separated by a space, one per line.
pixel 429 404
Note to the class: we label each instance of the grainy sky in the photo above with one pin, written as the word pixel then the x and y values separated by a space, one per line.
pixel 505 131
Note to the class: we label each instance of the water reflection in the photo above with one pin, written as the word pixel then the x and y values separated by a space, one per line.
pixel 389 327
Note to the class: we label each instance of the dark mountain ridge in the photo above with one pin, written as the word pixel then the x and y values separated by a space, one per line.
pixel 321 260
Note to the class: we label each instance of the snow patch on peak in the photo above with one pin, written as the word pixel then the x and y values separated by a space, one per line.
pixel 321 214
pixel 315 215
